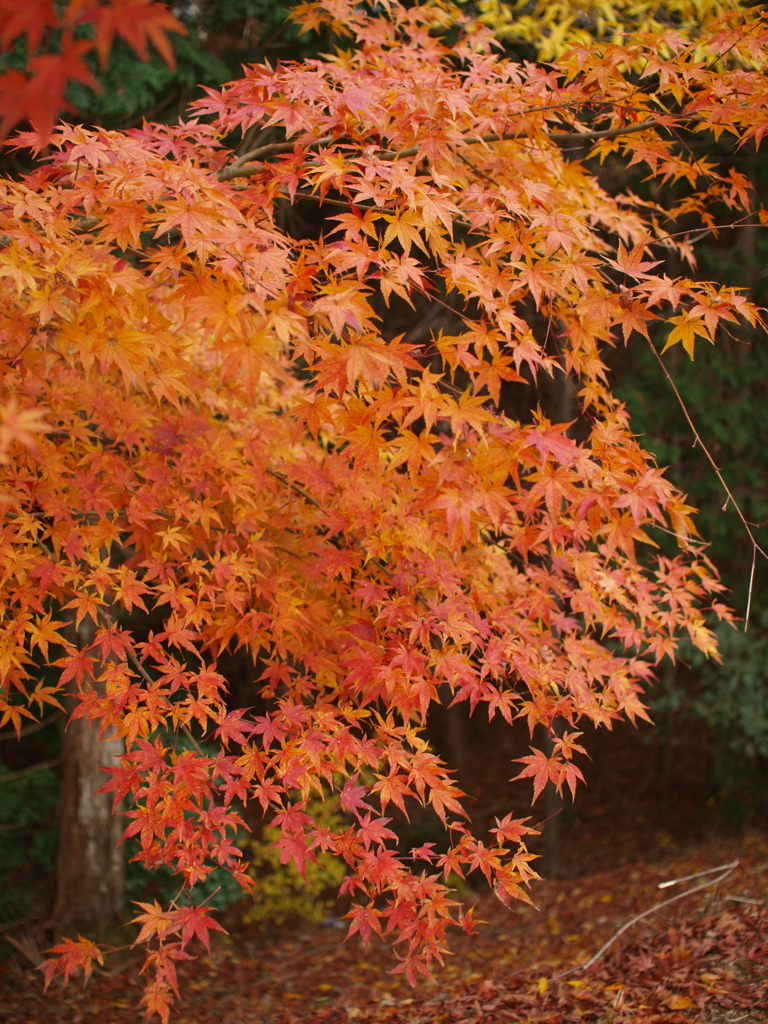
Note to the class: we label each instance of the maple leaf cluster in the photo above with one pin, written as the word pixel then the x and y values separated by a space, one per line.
pixel 52 36
pixel 215 442
pixel 553 27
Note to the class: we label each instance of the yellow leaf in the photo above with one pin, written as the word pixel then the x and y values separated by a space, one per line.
pixel 688 327
pixel 680 1003
pixel 405 226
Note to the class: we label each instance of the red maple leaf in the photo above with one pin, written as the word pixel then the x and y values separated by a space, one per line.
pixel 196 922
pixel 138 22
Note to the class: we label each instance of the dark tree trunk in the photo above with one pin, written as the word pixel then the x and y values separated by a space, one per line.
pixel 89 892
pixel 553 807
pixel 451 730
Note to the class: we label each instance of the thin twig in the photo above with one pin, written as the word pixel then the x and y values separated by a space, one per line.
pixel 131 654
pixel 727 869
pixel 680 537
pixel 719 57
pixel 32 768
pixel 477 170
pixel 696 874
pixel 10 925
pixel 295 487
pixel 327 947
pixel 697 440
pixel 269 149
pixel 751 584
pixel 697 235
pixel 27 730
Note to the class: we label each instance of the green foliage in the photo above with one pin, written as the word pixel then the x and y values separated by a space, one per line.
pixel 223 35
pixel 219 889
pixel 133 88
pixel 733 698
pixel 726 392
pixel 27 838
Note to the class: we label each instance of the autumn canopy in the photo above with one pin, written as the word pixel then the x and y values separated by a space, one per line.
pixel 270 403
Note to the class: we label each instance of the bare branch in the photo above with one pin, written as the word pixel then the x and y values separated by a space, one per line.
pixel 696 874
pixel 725 871
pixel 270 149
pixel 245 166
pixel 27 730
pixel 29 771
pixel 756 549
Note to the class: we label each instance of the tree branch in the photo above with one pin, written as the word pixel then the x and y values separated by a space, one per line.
pixel 271 148
pixel 27 730
pixel 244 166
pixel 29 771
pixel 725 870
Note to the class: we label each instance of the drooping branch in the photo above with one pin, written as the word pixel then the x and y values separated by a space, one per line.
pixel 756 549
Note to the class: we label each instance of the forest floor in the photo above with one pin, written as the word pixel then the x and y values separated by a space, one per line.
pixel 702 959
pixel 647 816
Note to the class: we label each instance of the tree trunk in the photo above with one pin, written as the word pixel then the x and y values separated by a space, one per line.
pixel 89 891
pixel 553 807
pixel 451 729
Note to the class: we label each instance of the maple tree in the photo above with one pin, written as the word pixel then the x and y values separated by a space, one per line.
pixel 215 437
pixel 56 38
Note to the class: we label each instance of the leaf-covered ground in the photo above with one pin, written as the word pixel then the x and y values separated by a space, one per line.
pixel 702 959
